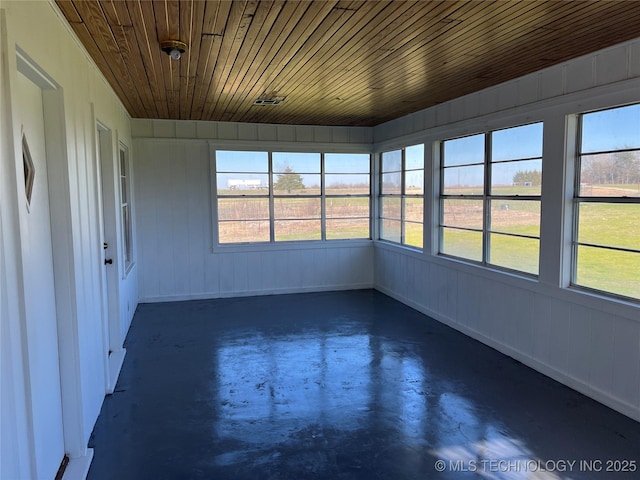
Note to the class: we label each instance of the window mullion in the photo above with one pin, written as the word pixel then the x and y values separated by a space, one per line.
pixel 403 196
pixel 272 235
pixel 486 220
pixel 323 197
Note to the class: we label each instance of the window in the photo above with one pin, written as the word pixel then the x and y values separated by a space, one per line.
pixel 606 244
pixel 402 196
pixel 287 196
pixel 490 197
pixel 125 208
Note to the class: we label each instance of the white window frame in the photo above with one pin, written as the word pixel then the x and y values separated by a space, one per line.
pixel 126 220
pixel 402 196
pixel 486 197
pixel 272 242
pixel 579 199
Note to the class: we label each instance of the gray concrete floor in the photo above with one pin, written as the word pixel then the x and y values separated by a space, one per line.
pixel 345 385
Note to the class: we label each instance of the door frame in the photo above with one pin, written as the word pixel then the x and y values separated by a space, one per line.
pixel 108 234
pixel 63 262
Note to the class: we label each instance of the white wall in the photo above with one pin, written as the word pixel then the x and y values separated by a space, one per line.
pixel 586 341
pixel 174 217
pixel 80 98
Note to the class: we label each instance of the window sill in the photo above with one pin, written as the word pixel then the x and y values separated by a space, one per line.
pixel 222 249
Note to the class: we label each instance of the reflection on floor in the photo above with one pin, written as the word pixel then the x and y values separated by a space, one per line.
pixel 345 385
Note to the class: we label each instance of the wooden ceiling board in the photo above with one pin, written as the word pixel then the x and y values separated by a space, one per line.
pixel 336 62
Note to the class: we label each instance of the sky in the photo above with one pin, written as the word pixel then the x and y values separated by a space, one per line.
pixel 605 130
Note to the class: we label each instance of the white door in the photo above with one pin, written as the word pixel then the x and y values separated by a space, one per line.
pixel 40 304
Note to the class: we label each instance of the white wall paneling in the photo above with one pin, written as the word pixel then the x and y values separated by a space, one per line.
pixel 38 42
pixel 586 341
pixel 175 236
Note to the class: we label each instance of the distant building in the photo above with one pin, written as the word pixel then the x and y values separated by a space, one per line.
pixel 244 184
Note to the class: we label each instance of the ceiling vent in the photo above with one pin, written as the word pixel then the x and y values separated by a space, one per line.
pixel 269 101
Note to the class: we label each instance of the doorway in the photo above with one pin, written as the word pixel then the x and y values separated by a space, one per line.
pixel 109 278
pixel 41 328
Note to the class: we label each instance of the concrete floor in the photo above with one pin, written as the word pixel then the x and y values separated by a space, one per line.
pixel 347 385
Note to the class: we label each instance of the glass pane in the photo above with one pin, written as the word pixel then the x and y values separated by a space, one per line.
pixel 344 207
pixel 392 161
pixel 414 209
pixel 243 209
pixel 462 243
pixel 230 161
pixel 613 129
pixel 609 271
pixel 464 151
pixel 516 216
pixel 414 182
pixel 517 142
pixel 464 180
pixel 610 225
pixel 462 213
pixel 516 253
pixel 296 208
pixel 123 190
pixel 390 230
pixel 413 234
pixel 347 163
pixel 391 183
pixel 610 175
pixel 414 157
pixel 242 184
pixel 289 230
pixel 296 184
pixel 241 232
pixel 296 162
pixel 347 228
pixel 340 184
pixel 516 178
pixel 391 207
pixel 123 163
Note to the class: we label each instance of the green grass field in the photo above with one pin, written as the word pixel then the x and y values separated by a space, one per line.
pixel 615 225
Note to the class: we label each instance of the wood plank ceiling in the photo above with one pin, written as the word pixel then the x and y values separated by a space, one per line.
pixel 335 62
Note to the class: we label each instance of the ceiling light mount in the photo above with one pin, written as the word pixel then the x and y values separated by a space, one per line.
pixel 173 48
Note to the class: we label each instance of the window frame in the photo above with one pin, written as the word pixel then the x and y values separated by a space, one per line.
pixel 579 199
pixel 402 196
pixel 486 198
pixel 272 174
pixel 126 233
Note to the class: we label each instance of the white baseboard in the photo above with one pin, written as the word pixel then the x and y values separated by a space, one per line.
pixel 116 359
pixel 590 391
pixel 255 293
pixel 78 467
